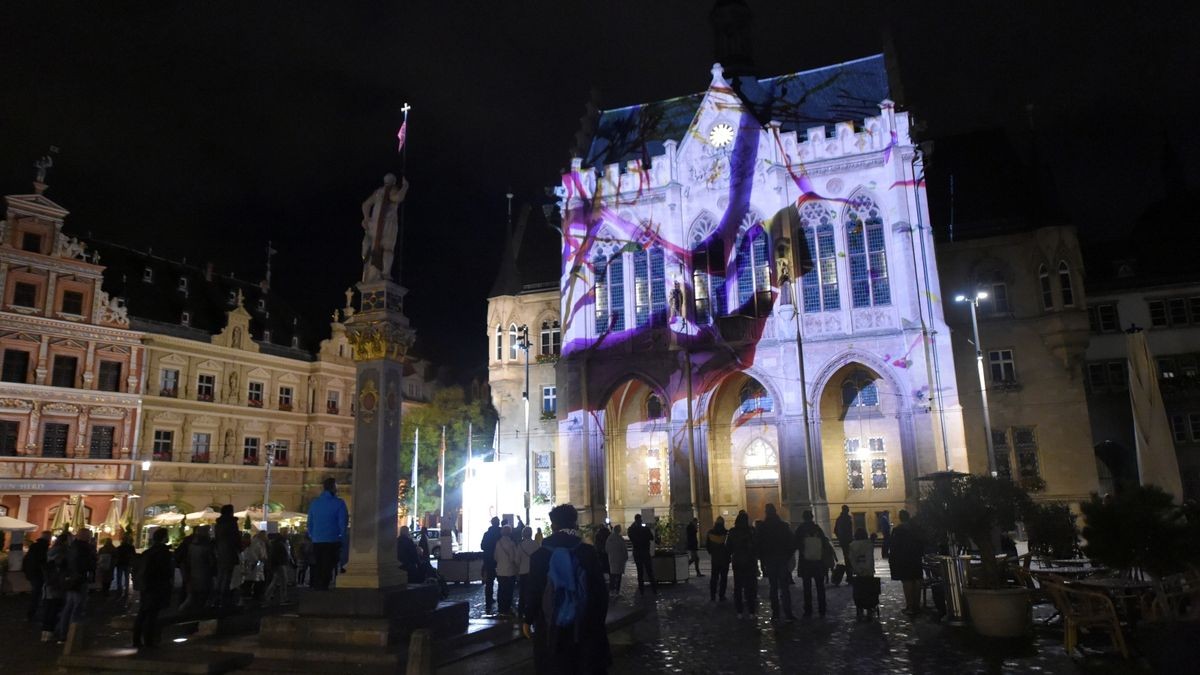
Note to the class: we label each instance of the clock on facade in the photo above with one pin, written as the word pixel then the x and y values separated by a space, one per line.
pixel 721 135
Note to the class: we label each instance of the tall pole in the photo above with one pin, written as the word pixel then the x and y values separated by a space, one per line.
pixel 267 486
pixel 808 453
pixel 528 456
pixel 403 134
pixel 691 429
pixel 442 478
pixel 142 501
pixel 416 441
pixel 987 419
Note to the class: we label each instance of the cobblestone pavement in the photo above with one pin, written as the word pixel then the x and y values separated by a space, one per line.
pixel 685 633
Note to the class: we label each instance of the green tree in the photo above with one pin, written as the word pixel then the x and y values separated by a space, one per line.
pixel 450 409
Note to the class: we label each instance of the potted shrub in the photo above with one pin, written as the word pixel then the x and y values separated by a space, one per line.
pixel 1139 528
pixel 669 564
pixel 975 509
pixel 1051 530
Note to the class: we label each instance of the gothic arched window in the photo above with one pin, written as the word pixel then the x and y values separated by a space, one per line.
pixel 499 343
pixel 654 407
pixel 1064 284
pixel 753 398
pixel 753 272
pixel 1044 283
pixel 761 461
pixel 649 285
pixel 514 339
pixel 867 253
pixel 859 391
pixel 819 284
pixel 610 291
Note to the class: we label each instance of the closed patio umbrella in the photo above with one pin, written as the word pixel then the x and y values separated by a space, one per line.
pixel 14 525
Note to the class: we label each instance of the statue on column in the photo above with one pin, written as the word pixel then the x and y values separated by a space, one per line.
pixel 381 225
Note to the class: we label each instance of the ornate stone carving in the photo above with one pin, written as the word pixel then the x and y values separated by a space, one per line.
pixel 60 409
pixel 70 247
pixel 113 311
pixel 368 400
pixel 108 412
pixel 16 404
pixel 379 340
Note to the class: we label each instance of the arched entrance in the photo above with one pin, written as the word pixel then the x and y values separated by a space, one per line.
pixel 637 451
pixel 761 462
pixel 743 447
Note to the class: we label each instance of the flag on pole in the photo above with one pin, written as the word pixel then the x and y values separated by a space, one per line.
pixel 400 135
pixel 1156 459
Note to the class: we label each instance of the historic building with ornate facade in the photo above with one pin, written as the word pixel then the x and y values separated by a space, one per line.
pixel 70 391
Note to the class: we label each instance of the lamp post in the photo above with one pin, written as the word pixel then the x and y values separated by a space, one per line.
pixel 987 419
pixel 528 463
pixel 267 486
pixel 142 497
pixel 808 454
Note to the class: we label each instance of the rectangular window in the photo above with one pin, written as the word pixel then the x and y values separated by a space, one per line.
pixel 72 303
pixel 641 289
pixel 101 445
pixel 616 293
pixel 54 439
pixel 1025 445
pixel 1097 375
pixel 10 433
pixel 1177 311
pixel 1158 313
pixel 164 442
pixel 206 387
pixel 280 454
pixel 1194 422
pixel 1117 379
pixel 1103 318
pixel 549 400
pixel 31 242
pixel 551 338
pixel 854 474
pixel 999 297
pixel 329 456
pixel 332 400
pixel 285 398
pixel 254 395
pixel 1166 369
pixel 1179 428
pixel 250 447
pixel 24 295
pixel 16 366
pixel 110 376
pixel 168 383
pixel 499 344
pixel 1002 453
pixel 201 445
pixel 1004 368
pixel 543 471
pixel 65 368
pixel 879 473
pixel 876 445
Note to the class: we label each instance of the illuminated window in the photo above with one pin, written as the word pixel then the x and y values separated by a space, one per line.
pixel 551 338
pixel 543 471
pixel 654 473
pixel 859 391
pixel 1044 282
pixel 819 285
pixel 869 285
pixel 499 343
pixel 549 400
pixel 1064 283
pixel 616 293
pixel 514 341
pixel 649 286
pixel 761 462
pixel 854 474
pixel 168 382
pixel 879 479
pixel 753 273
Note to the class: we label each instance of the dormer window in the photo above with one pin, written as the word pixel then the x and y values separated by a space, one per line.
pixel 185 319
pixel 295 342
pixel 31 241
pixel 183 285
pixel 266 336
pixel 262 304
pixel 232 298
pixel 148 275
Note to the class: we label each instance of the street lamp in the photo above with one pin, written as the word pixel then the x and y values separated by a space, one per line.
pixel 267 487
pixel 524 344
pixel 987 419
pixel 142 504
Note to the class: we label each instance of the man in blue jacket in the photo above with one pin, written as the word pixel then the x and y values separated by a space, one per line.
pixel 327 519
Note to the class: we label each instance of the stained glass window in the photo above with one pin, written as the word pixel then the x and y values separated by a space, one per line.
pixel 879 473
pixel 819 285
pixel 854 474
pixel 753 272
pixel 859 390
pixel 866 250
pixel 761 461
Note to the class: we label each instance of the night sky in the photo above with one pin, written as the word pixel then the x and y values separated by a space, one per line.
pixel 203 129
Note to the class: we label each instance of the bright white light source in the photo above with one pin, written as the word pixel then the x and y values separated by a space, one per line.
pixel 981 295
pixel 177 640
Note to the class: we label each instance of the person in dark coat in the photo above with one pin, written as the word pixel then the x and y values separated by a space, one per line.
pixel 602 535
pixel 718 555
pixel 693 544
pixel 812 565
pixel 885 531
pixel 408 555
pixel 202 567
pixel 156 580
pixel 741 547
pixel 227 542
pixel 54 587
pixel 905 561
pixel 583 647
pixel 640 537
pixel 843 529
pixel 34 569
pixel 81 566
pixel 106 558
pixel 124 564
pixel 488 546
pixel 775 548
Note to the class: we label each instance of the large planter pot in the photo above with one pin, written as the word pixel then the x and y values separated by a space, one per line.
pixel 1002 613
pixel 461 570
pixel 670 568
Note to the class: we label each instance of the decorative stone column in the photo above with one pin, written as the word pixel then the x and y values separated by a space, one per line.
pixel 380 336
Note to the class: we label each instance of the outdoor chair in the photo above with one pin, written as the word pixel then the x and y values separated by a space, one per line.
pixel 1175 597
pixel 931 576
pixel 1086 610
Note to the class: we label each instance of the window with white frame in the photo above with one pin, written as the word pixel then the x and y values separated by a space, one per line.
pixel 649 286
pixel 753 276
pixel 544 475
pixel 761 462
pixel 164 440
pixel 280 454
pixel 1025 447
pixel 250 447
pixel 1064 284
pixel 867 253
pixel 549 399
pixel 185 318
pixel 285 398
pixel 1174 312
pixel 332 401
pixel 551 338
pixel 819 285
pixel 206 387
pixel 609 273
pixel 147 275
pixel 514 341
pixel 168 382
pixel 1102 318
pixel 183 285
pixel 254 394
pixel 998 294
pixel 1004 368
pixel 201 444
pixel 499 343
pixel 329 455
pixel 1002 452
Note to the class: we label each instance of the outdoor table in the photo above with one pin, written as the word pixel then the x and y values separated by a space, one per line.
pixel 1072 562
pixel 1125 593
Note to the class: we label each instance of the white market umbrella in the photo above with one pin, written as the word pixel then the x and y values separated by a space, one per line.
pixel 112 522
pixel 14 525
pixel 166 519
pixel 206 516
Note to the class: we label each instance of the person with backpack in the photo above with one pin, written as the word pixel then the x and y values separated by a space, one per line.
pixel 614 551
pixel 488 546
pixel 775 548
pixel 566 604
pixel 640 538
pixel 740 546
pixel 843 529
pixel 105 561
pixel 815 551
pixel 865 583
pixel 54 590
pixel 718 553
pixel 693 544
pixel 34 568
pixel 155 581
pixel 507 568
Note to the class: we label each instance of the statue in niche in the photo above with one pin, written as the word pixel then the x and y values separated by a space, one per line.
pixel 231 395
pixel 227 452
pixel 677 301
pixel 236 340
pixel 381 225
